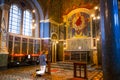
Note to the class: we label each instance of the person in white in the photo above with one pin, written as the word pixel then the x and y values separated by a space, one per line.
pixel 42 62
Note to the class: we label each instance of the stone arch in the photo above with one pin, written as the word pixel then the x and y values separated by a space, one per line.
pixel 39 9
pixel 66 17
pixel 54 36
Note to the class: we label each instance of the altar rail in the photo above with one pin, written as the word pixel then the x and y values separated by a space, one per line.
pixel 82 56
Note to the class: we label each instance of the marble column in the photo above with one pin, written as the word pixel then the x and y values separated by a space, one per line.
pixel 41 28
pixel 110 39
pixel 3 36
pixel 45 29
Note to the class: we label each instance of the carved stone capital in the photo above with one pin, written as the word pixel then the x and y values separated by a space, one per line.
pixel 4 6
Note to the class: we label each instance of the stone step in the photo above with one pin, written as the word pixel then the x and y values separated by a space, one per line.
pixel 69 65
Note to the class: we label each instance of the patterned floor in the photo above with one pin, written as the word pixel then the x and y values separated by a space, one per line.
pixel 59 71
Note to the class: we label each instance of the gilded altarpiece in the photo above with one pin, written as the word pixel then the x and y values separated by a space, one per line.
pixel 79 25
pixel 78 34
pixel 78 30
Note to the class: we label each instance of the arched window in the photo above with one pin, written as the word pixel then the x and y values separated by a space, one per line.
pixel 27 23
pixel 19 19
pixel 15 19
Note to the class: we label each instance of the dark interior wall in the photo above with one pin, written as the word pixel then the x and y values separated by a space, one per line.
pixel 45 44
pixel 119 10
pixel 0 16
pixel 0 22
pixel 1 1
pixel 60 51
pixel 99 53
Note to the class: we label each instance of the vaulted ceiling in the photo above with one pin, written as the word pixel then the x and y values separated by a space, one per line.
pixel 55 9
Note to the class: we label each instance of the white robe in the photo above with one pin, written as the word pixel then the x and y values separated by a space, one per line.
pixel 41 71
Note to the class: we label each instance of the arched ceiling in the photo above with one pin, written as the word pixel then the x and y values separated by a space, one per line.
pixel 55 9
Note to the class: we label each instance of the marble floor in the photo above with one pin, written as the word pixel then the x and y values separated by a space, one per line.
pixel 59 71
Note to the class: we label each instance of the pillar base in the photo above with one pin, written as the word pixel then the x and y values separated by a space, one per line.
pixel 3 60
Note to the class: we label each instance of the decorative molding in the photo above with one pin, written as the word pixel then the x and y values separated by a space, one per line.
pixel 51 21
pixel 54 22
pixel 66 17
pixel 54 36
pixel 41 21
pixel 23 36
pixel 46 38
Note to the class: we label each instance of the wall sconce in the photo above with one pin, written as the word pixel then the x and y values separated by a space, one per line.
pixel 92 15
pixel 64 48
pixel 96 7
pixel 33 11
pixel 34 25
pixel 94 18
pixel 56 42
pixel 64 43
pixel 98 39
pixel 33 20
pixel 98 17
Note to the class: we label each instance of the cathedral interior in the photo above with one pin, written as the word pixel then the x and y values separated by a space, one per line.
pixel 82 33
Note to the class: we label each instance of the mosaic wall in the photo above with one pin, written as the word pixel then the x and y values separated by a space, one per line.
pixel 54 28
pixel 69 5
pixel 79 25
pixel 62 32
pixel 55 9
